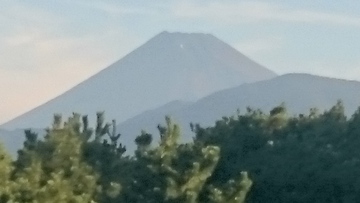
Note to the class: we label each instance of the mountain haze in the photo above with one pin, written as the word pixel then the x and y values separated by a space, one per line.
pixel 300 92
pixel 170 66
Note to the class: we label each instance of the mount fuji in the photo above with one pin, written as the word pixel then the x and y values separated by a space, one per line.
pixel 170 66
pixel 192 77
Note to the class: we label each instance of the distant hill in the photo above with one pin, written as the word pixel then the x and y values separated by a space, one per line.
pixel 300 92
pixel 13 140
pixel 170 66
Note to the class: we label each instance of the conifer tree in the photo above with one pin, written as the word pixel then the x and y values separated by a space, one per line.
pixel 6 168
pixel 182 170
pixel 71 165
pixel 234 191
pixel 54 170
pixel 105 154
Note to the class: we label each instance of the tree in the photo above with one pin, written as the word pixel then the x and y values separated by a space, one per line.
pixel 304 158
pixel 74 163
pixel 6 168
pixel 181 171
pixel 53 170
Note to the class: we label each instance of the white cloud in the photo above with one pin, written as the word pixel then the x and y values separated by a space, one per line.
pixel 259 45
pixel 256 11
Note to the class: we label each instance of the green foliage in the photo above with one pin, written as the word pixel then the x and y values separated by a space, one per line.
pixel 234 191
pixel 74 163
pixel 52 170
pixel 177 172
pixel 6 168
pixel 312 157
pixel 304 158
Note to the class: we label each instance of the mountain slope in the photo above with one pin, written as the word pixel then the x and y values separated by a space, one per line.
pixel 300 92
pixel 170 66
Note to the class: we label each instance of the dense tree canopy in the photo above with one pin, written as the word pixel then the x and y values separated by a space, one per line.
pixel 252 157
pixel 303 158
pixel 74 163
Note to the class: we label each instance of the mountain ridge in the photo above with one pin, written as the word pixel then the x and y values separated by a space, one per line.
pixel 167 67
pixel 299 92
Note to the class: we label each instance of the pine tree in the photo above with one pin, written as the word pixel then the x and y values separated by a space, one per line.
pixel 182 170
pixel 54 170
pixel 70 165
pixel 6 168
pixel 234 192
pixel 105 154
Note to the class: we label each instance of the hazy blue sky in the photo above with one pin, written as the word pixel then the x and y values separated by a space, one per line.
pixel 47 46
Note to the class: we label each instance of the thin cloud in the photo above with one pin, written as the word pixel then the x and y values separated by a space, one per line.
pixel 252 12
pixel 45 66
pixel 42 59
pixel 331 68
pixel 114 9
pixel 259 45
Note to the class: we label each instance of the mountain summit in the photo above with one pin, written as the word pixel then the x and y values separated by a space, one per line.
pixel 170 66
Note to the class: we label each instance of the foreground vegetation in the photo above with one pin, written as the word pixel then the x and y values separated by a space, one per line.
pixel 74 163
pixel 255 156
